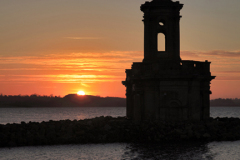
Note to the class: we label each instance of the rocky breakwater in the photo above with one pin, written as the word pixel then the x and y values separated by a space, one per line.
pixel 109 129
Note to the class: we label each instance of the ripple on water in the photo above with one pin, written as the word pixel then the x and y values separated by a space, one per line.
pixel 116 151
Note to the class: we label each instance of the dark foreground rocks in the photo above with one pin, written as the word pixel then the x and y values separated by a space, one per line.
pixel 108 130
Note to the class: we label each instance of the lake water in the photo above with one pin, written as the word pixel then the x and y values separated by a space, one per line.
pixel 16 115
pixel 226 150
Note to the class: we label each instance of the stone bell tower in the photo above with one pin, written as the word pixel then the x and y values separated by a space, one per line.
pixel 164 87
pixel 161 17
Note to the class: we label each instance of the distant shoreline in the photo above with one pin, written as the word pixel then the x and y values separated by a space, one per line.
pixel 74 100
pixel 71 100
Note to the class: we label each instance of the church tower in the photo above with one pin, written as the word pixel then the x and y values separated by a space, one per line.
pixel 161 17
pixel 162 86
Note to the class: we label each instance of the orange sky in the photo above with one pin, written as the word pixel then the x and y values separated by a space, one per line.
pixel 61 47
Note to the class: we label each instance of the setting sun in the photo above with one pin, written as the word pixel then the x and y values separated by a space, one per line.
pixel 81 93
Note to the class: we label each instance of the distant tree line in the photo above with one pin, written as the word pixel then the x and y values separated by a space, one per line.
pixel 225 102
pixel 74 100
pixel 71 100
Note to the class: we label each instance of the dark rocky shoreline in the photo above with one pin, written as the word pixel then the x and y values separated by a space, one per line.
pixel 110 130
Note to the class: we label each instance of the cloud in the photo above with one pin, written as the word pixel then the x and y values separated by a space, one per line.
pixel 74 61
pixel 218 58
pixel 84 38
pixel 93 67
pixel 227 75
pixel 228 72
pixel 61 78
pixel 228 78
pixel 68 68
pixel 222 53
pixel 224 64
pixel 214 54
pixel 17 69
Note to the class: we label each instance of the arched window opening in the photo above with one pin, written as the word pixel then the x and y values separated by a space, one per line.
pixel 161 42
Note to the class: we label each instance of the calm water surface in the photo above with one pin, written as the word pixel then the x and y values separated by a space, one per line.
pixel 16 115
pixel 194 151
pixel 120 151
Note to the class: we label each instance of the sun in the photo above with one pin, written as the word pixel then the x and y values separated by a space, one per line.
pixel 82 93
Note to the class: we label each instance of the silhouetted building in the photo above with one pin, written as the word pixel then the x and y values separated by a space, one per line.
pixel 162 86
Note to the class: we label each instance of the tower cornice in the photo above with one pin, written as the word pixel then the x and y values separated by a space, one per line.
pixel 158 4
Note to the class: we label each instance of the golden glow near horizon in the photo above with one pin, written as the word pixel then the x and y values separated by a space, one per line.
pixel 53 47
pixel 81 93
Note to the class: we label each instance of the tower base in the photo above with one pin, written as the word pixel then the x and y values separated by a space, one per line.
pixel 168 91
